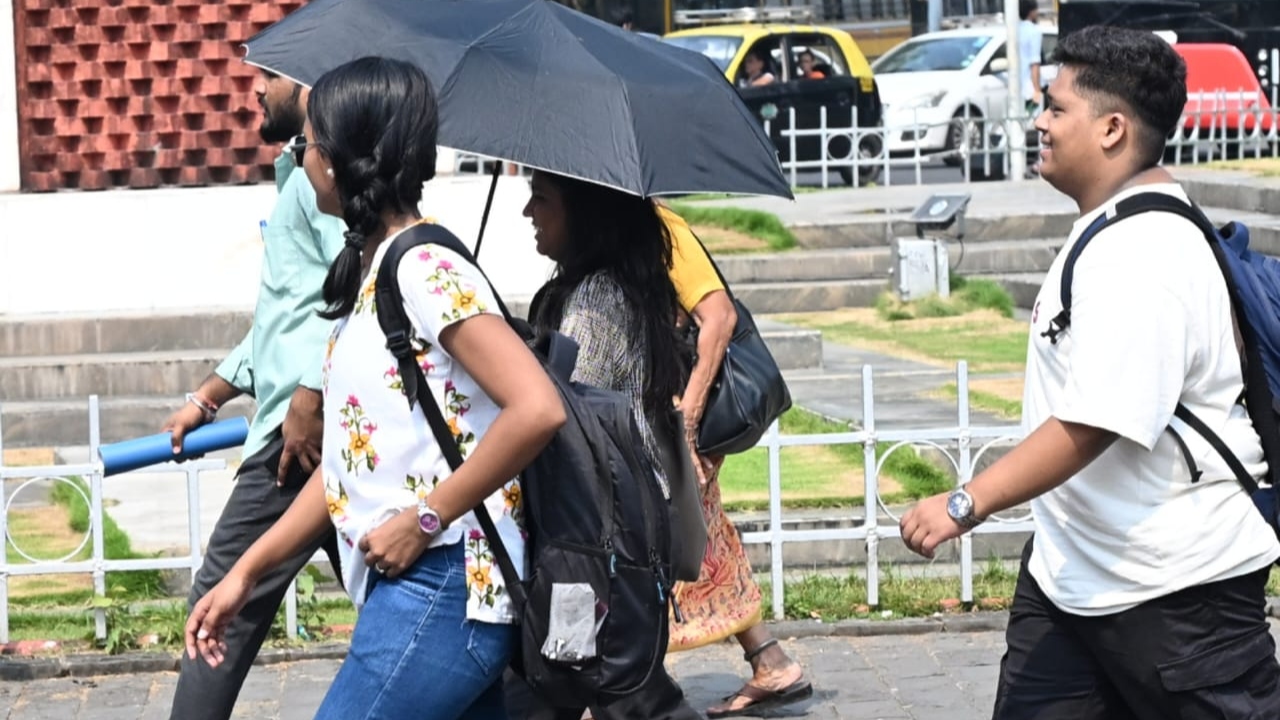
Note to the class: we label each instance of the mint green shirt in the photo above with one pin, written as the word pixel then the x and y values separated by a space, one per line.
pixel 285 347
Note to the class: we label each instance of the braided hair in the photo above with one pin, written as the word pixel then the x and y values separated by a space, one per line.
pixel 375 120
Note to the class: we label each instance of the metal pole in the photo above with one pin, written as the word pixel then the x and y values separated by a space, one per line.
pixel 775 521
pixel 966 474
pixel 870 489
pixel 935 15
pixel 95 520
pixel 1017 136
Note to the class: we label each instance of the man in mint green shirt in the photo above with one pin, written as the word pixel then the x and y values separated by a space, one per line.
pixel 279 363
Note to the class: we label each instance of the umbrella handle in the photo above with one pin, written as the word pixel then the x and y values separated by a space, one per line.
pixel 488 205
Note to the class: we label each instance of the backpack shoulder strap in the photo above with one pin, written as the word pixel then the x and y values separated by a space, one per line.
pixel 389 305
pixel 1125 209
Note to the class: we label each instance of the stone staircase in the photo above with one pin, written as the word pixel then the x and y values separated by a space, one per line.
pixel 847 263
pixel 141 365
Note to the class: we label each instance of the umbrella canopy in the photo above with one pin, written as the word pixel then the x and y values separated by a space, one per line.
pixel 536 83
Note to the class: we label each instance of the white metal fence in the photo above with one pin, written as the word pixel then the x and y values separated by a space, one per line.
pixel 962 444
pixel 1218 125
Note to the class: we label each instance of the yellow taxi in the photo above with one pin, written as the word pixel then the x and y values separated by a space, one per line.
pixel 787 72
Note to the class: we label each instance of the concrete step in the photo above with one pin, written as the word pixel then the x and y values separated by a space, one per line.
pixel 164 373
pixel 172 373
pixel 43 335
pixel 1249 194
pixel 793 348
pixel 786 297
pixel 877 229
pixel 56 423
pixel 999 256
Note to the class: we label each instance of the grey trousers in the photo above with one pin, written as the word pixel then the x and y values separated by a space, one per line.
pixel 206 693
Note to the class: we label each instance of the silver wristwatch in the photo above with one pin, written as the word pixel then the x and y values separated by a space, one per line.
pixel 960 508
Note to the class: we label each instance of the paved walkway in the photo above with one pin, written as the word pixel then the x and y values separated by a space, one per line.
pixel 937 676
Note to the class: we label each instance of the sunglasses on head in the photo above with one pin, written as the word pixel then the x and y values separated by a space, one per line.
pixel 298 147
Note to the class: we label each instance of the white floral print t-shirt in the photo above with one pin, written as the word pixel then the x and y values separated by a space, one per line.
pixel 380 455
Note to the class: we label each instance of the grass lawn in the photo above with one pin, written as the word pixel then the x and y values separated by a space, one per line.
pixel 728 230
pixel 904 592
pixel 990 342
pixel 824 475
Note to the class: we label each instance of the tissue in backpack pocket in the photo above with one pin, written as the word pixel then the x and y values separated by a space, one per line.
pixel 571 629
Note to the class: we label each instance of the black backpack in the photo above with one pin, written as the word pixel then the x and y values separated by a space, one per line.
pixel 1251 284
pixel 598 534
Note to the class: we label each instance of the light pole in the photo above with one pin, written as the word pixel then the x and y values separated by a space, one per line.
pixel 1016 135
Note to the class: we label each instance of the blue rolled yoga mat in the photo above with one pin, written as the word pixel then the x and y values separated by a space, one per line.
pixel 155 449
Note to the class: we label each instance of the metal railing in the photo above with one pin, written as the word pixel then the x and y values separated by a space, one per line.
pixel 97 565
pixel 957 443
pixel 1222 124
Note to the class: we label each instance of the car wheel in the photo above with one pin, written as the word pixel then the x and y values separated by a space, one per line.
pixel 961 130
pixel 871 147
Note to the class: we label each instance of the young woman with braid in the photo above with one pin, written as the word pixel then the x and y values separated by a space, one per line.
pixel 435 626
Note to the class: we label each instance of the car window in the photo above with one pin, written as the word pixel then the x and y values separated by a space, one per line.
pixel 720 48
pixel 1048 43
pixel 828 59
pixel 933 54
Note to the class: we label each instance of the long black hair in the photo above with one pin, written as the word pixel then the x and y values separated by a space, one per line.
pixel 375 119
pixel 622 236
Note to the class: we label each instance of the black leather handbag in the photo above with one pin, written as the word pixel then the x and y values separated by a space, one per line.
pixel 748 393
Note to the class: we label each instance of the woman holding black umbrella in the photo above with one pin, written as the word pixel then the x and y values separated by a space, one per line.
pixel 435 628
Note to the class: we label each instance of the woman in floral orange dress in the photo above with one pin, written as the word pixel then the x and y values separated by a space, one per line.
pixel 725 600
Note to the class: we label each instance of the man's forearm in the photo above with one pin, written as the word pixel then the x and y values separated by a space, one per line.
pixel 1048 457
pixel 217 390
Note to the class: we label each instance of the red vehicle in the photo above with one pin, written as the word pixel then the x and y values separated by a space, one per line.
pixel 1222 89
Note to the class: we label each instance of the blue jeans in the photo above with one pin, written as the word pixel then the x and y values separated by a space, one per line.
pixel 415 655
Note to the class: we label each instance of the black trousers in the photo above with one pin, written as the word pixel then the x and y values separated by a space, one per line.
pixel 660 699
pixel 1200 653
pixel 205 693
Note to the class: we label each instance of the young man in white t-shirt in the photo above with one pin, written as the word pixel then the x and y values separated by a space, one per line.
pixel 1142 593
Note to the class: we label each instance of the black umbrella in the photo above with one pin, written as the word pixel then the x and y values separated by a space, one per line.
pixel 536 83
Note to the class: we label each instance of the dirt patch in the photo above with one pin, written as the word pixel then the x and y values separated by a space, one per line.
pixel 45 534
pixel 24 457
pixel 930 341
pixel 1003 388
pixel 721 240
pixel 1266 167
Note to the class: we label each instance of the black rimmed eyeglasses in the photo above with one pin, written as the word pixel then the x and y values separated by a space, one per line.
pixel 298 147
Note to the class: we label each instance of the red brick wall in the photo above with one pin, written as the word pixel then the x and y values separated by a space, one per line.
pixel 139 93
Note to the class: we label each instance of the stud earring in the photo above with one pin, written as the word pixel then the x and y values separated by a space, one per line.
pixel 329 172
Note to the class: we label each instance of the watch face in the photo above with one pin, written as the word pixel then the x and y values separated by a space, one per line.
pixel 429 523
pixel 959 505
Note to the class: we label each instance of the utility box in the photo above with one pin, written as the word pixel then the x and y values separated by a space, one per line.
pixel 920 268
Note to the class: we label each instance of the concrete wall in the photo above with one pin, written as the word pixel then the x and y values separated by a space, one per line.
pixel 166 250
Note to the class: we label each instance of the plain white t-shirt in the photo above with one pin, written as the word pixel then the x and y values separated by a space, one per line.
pixel 1030 42
pixel 1150 326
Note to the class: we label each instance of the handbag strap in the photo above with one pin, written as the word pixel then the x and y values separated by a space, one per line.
pixel 724 283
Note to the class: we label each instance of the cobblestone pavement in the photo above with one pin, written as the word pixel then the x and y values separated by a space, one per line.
pixel 934 676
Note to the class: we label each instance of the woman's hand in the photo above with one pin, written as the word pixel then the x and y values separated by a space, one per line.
pixel 396 544
pixel 691 410
pixel 207 626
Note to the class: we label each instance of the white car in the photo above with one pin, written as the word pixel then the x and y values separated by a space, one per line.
pixel 932 82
